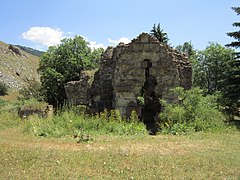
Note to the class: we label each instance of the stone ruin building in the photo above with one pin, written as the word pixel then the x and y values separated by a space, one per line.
pixel 144 69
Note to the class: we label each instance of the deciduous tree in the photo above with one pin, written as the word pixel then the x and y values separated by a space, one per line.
pixel 64 63
pixel 209 67
pixel 186 48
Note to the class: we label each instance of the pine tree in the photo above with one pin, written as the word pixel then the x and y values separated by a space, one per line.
pixel 158 33
pixel 235 34
pixel 231 82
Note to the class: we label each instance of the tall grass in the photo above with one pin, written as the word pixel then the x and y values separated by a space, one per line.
pixel 69 123
pixel 9 120
pixel 73 122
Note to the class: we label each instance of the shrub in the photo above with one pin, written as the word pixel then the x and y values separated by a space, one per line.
pixel 33 90
pixel 192 112
pixel 3 89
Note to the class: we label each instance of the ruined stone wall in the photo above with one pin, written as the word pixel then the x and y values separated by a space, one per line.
pixel 77 91
pixel 101 91
pixel 168 68
pixel 143 68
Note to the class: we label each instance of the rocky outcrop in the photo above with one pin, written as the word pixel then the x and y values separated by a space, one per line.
pixel 15 50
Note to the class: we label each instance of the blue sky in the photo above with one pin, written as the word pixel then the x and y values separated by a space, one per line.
pixel 40 23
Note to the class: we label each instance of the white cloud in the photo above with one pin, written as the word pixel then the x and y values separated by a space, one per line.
pixel 95 45
pixel 44 36
pixel 125 40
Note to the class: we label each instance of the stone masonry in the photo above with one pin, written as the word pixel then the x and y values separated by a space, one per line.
pixel 143 69
pixel 77 91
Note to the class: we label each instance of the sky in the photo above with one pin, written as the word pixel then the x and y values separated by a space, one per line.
pixel 43 23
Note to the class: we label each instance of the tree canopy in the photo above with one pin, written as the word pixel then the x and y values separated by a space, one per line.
pixel 186 48
pixel 231 81
pixel 209 67
pixel 64 63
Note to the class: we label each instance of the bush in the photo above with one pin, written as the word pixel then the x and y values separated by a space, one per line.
pixel 192 112
pixel 3 89
pixel 33 90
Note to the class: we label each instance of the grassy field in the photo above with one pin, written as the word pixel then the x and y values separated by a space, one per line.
pixel 195 156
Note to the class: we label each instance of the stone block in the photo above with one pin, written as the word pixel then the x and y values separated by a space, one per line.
pixel 125 70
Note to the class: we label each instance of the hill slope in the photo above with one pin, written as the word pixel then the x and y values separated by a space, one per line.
pixel 17 67
pixel 30 50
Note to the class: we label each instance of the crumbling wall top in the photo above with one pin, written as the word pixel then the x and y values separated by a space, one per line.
pixel 145 38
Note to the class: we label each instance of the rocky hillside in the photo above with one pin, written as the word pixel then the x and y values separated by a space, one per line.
pixel 17 67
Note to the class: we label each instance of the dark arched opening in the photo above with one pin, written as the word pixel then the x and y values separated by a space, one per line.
pixel 151 106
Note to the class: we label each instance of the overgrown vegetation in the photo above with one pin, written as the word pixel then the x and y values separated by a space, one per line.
pixel 126 152
pixel 195 156
pixel 31 104
pixel 3 89
pixel 112 147
pixel 216 70
pixel 193 112
pixel 8 115
pixel 69 123
pixel 32 90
